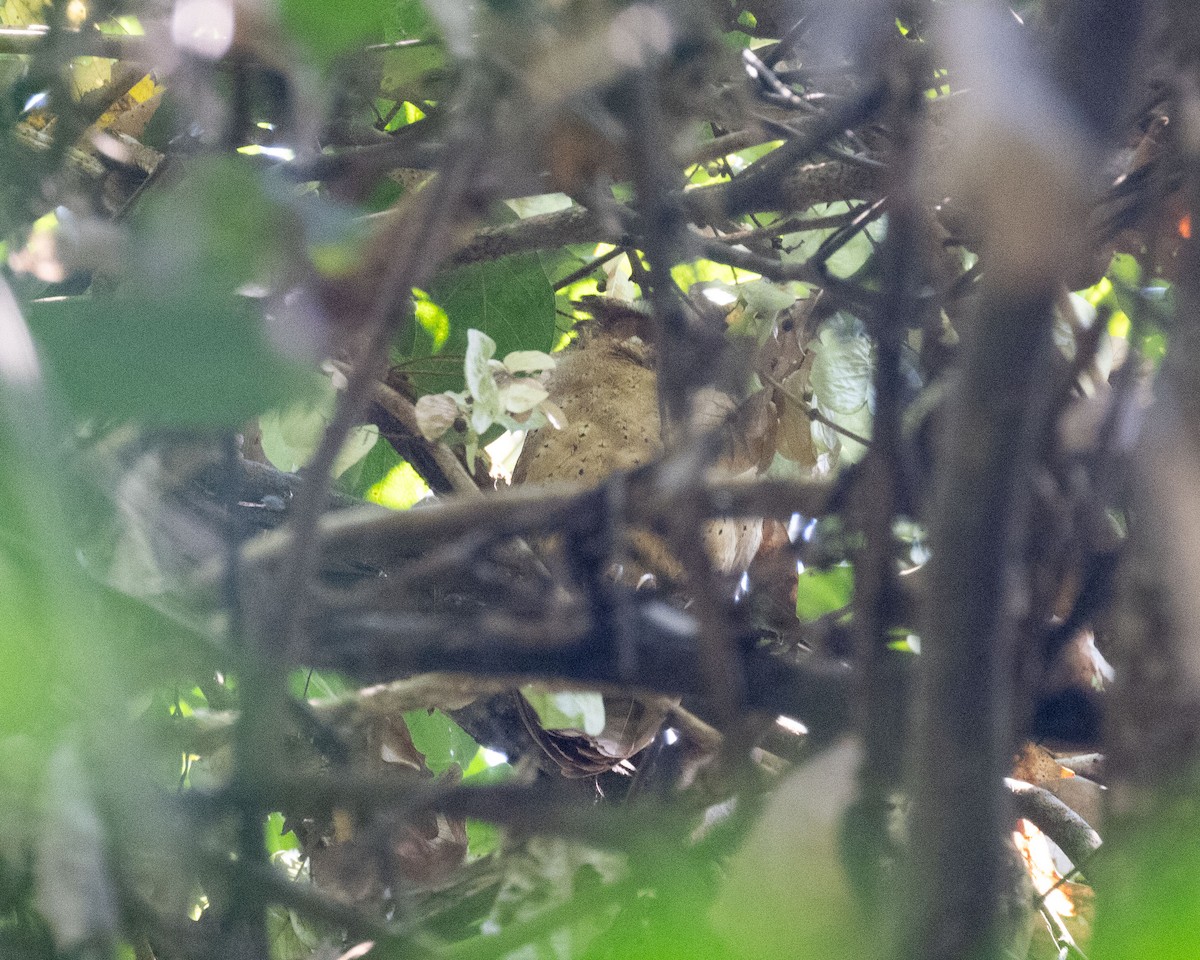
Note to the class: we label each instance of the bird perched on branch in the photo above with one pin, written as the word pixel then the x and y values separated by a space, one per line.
pixel 606 386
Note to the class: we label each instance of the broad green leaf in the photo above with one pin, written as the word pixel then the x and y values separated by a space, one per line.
pixel 412 73
pixel 176 343
pixel 766 299
pixel 848 259
pixel 687 275
pixel 165 360
pixel 291 936
pixel 819 592
pixel 510 300
pixel 1125 269
pixel 841 371
pixel 372 470
pixel 483 838
pixel 767 907
pixel 23 13
pixel 215 230
pixel 274 837
pixel 567 709
pixel 409 18
pixel 326 29
pixel 1148 886
pixel 838 442
pixel 317 684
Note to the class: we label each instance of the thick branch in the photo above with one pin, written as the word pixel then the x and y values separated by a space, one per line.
pixel 1074 835
pixel 381 539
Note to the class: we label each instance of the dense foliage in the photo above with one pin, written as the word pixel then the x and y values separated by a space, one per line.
pixel 596 479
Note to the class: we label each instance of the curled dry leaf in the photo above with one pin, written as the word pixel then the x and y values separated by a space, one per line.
pixel 355 857
pixel 436 413
pixel 794 439
pixel 630 725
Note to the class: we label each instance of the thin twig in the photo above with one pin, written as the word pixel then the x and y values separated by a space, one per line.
pixel 421 241
pixel 812 413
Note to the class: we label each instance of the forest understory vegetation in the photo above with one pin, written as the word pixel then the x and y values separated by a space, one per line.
pixel 568 480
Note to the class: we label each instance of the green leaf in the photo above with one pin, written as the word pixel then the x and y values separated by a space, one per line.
pixel 317 684
pixel 567 709
pixel 1125 269
pixel 290 436
pixel 402 67
pixel 176 343
pixel 433 320
pixel 841 371
pixel 329 29
pixel 441 739
pixel 819 592
pixel 848 259
pixel 164 361
pixel 274 837
pixel 400 489
pixel 510 300
pixel 372 471
pixel 219 227
pixel 482 838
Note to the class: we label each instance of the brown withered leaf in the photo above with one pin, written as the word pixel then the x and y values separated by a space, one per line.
pixel 356 857
pixel 630 726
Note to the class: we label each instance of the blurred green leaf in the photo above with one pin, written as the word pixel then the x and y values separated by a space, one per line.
pixel 317 684
pixel 21 13
pixel 769 908
pixel 274 837
pixel 290 436
pixel 327 30
pixel 371 471
pixel 400 489
pixel 567 709
pixel 291 936
pixel 217 228
pixel 433 320
pixel 849 258
pixel 176 343
pixel 1125 269
pixel 165 361
pixel 819 592
pixel 1149 889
